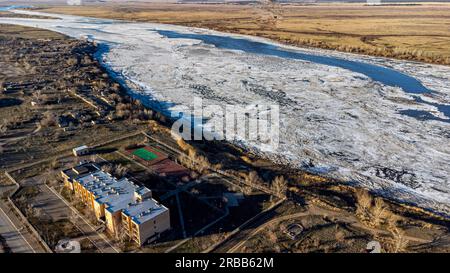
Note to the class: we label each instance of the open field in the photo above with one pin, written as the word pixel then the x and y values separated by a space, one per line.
pixel 417 32
pixel 12 31
pixel 47 101
pixel 9 14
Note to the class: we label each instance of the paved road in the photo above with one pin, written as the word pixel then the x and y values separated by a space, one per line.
pixel 56 207
pixel 102 243
pixel 15 240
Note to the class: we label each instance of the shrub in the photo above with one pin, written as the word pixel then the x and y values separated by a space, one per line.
pixel 48 120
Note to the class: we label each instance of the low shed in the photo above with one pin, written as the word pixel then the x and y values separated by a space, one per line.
pixel 82 150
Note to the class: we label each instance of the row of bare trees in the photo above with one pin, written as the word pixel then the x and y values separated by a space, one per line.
pixel 374 213
pixel 278 185
pixel 117 170
pixel 201 164
pixel 399 53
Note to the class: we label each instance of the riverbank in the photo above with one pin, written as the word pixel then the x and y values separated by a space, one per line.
pixel 414 32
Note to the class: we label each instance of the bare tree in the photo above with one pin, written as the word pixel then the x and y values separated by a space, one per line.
pixel 107 168
pixel 371 211
pixel 279 186
pixel 37 95
pixel 379 212
pixel 247 190
pixel 400 242
pixel 93 158
pixel 252 178
pixel 194 175
pixel 48 120
pixel 339 235
pixel 55 164
pixel 121 170
pixel 363 204
pixel 3 128
pixel 72 61
pixel 202 164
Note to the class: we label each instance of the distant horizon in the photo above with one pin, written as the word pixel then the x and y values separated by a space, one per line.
pixel 30 2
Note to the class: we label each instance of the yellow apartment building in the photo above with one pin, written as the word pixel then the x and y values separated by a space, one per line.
pixel 122 204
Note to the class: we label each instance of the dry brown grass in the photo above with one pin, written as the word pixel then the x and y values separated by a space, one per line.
pixel 416 32
pixel 27 32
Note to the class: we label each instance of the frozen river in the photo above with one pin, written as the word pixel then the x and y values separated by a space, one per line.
pixel 377 122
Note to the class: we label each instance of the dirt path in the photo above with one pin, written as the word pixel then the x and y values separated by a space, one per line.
pixel 322 212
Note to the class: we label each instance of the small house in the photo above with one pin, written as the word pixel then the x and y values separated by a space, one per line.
pixel 80 151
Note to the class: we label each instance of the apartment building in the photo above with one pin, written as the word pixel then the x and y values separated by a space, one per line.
pixel 125 206
pixel 145 220
pixel 70 175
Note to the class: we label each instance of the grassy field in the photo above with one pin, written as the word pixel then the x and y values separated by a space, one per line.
pixel 417 32
pixel 9 31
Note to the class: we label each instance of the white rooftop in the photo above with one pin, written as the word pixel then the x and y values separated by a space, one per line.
pixel 108 190
pixel 120 195
pixel 84 147
pixel 141 212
